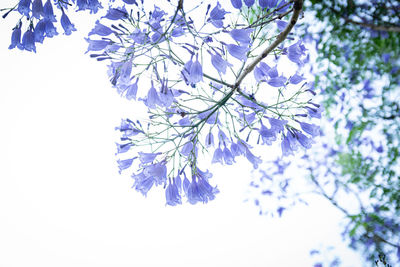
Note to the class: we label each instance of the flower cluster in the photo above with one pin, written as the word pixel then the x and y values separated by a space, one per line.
pixel 200 97
pixel 41 20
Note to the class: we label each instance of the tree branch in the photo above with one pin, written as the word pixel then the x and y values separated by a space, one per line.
pixel 373 26
pixel 298 5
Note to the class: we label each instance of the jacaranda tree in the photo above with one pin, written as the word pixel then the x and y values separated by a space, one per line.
pixel 214 77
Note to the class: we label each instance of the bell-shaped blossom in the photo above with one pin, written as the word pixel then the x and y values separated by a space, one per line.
pixel 128 128
pixel 50 29
pixel 37 9
pixel 311 129
pixel 97 45
pixel 82 4
pixel 209 139
pixel 218 156
pixel 237 150
pixel 116 13
pixel 16 38
pixel 100 29
pixel 131 91
pixel 241 35
pixel 277 81
pixel 267 135
pixel 147 157
pixel 277 124
pixel 124 164
pixel 295 79
pixel 252 159
pixel 237 51
pixel 217 15
pixel 295 52
pixel 304 140
pixel 178 31
pixel 39 31
pixel 249 3
pixel 130 2
pixel 247 118
pixel 210 116
pixel 228 156
pixel 123 148
pixel 281 24
pixel 196 72
pixel 186 71
pixel 24 7
pixel 172 195
pixel 237 4
pixel 267 3
pixel 48 11
pixel 94 6
pixel 158 171
pixel 219 63
pixel 185 184
pixel 187 149
pixel 184 121
pixel 286 147
pixel 200 191
pixel 139 36
pixel 273 72
pixel 153 100
pixel 66 24
pixel 143 183
pixel 314 112
pixel 28 41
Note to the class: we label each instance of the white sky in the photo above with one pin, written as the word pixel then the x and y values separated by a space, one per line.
pixel 63 203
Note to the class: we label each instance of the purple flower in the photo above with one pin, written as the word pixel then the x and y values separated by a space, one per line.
pixel 100 29
pixel 130 2
pixel 237 51
pixel 200 191
pixel 66 24
pixel 37 9
pixel 96 45
pixel 139 36
pixel 253 159
pixel 94 6
pixel 158 171
pixel 28 41
pixel 237 4
pixel 295 79
pixel 219 63
pixel 267 135
pixel 277 82
pixel 218 156
pixel 147 157
pixel 228 157
pixel 187 148
pixel 153 100
pixel 39 31
pixel 128 128
pixel 172 195
pixel 124 164
pixel 196 72
pixel 303 140
pixel 261 71
pixel 143 183
pixel 237 150
pixel 273 72
pixel 241 35
pixel 48 11
pixel 277 124
pixel 209 140
pixel 116 13
pixel 295 52
pixel 281 24
pixel 314 112
pixel 386 57
pixel 50 29
pixel 286 147
pixel 23 7
pixel 122 148
pixel 16 38
pixel 249 3
pixel 268 3
pixel 217 15
pixel 311 129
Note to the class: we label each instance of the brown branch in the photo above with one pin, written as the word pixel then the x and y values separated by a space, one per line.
pixel 374 27
pixel 297 7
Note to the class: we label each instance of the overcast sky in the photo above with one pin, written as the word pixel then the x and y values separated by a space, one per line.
pixel 63 203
